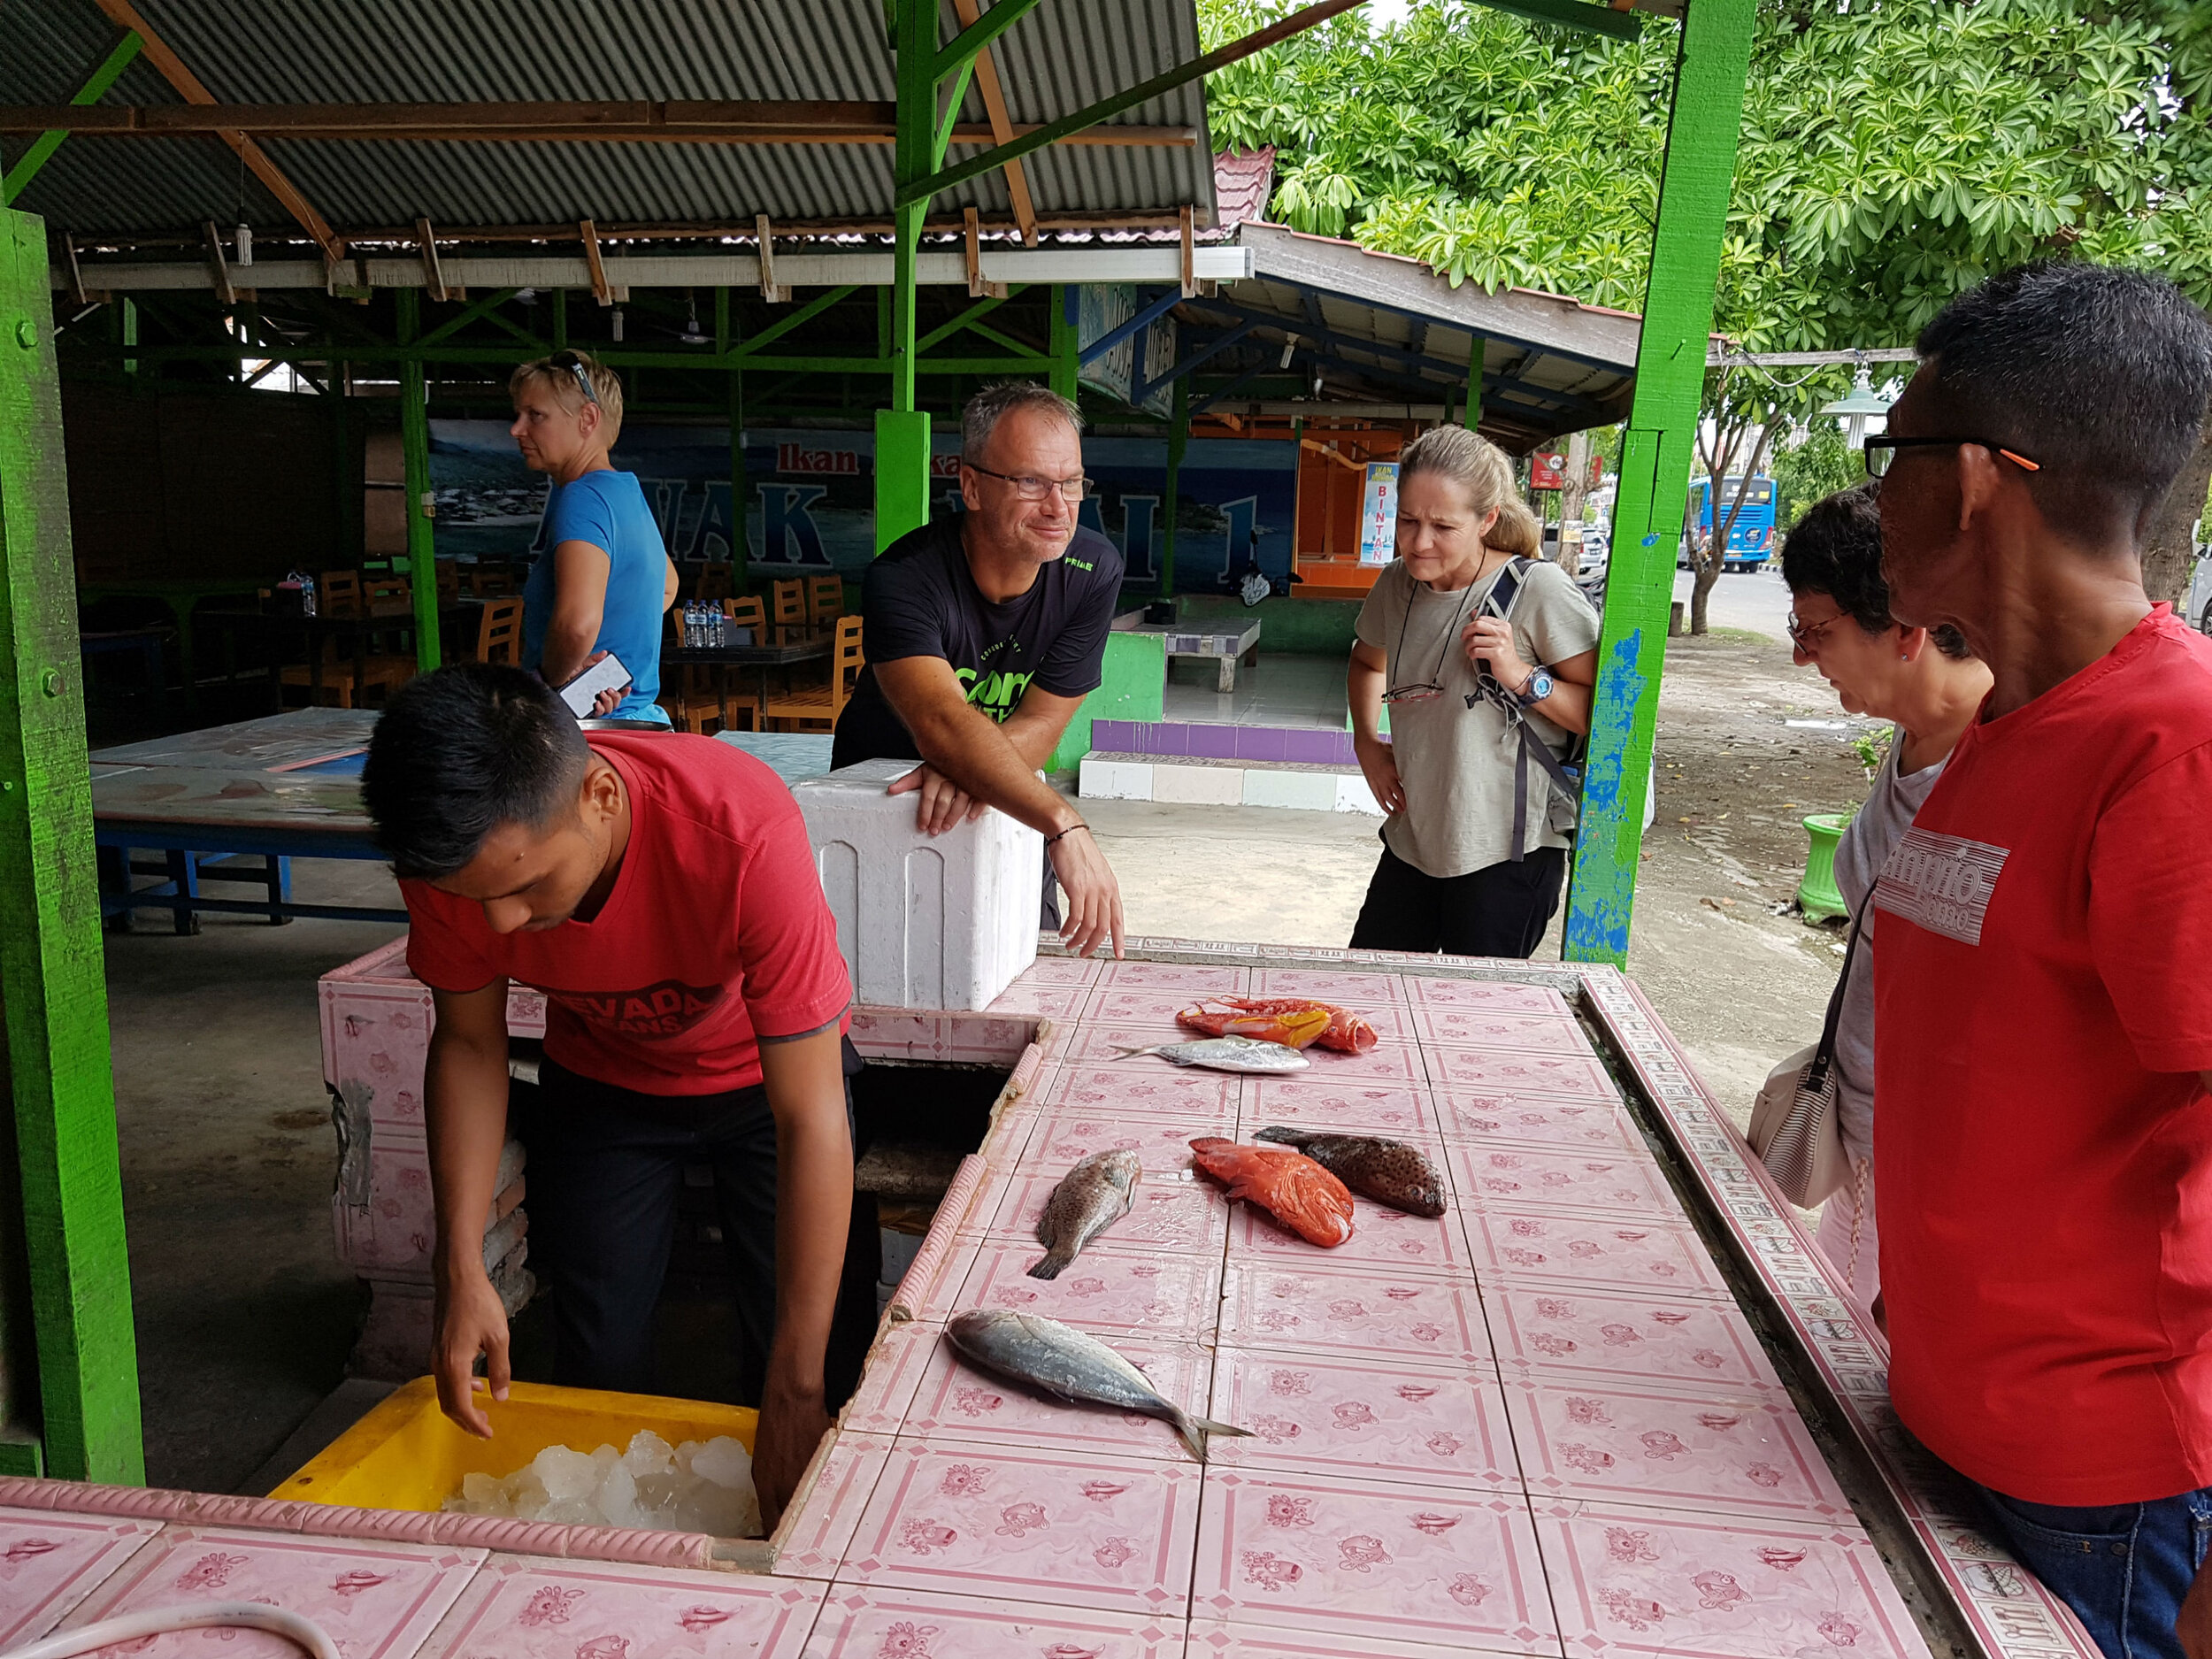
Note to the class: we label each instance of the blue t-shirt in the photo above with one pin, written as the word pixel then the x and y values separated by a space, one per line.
pixel 608 510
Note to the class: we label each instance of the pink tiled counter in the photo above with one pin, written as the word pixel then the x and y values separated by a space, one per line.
pixel 1545 1424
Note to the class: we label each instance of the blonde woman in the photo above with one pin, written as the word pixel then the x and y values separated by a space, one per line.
pixel 1480 650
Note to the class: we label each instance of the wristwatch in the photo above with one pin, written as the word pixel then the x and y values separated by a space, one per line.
pixel 1538 688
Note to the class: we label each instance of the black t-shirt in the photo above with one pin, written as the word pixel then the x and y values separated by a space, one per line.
pixel 919 600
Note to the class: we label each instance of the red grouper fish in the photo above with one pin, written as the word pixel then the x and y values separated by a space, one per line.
pixel 1289 1186
pixel 1293 1021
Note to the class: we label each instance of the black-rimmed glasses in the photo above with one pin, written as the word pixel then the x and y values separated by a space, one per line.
pixel 574 364
pixel 1881 451
pixel 1032 489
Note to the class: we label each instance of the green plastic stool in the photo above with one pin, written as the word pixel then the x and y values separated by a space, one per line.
pixel 1816 893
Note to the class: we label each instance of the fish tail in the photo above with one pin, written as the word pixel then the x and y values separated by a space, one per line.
pixel 1125 1054
pixel 1055 1262
pixel 1194 1430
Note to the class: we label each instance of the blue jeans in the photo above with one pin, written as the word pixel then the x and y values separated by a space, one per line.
pixel 2123 1568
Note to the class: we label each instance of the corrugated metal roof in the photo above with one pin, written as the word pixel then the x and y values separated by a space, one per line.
pixel 1065 54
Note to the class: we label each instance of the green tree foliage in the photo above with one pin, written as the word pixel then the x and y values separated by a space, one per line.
pixel 1892 154
pixel 1820 465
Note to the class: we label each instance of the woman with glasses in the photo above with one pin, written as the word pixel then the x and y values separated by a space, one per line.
pixel 602 576
pixel 1924 681
pixel 1485 656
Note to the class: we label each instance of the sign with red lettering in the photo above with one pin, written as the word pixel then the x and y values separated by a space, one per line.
pixel 1547 470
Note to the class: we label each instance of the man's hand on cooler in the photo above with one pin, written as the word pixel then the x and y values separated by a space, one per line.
pixel 944 802
pixel 1094 897
pixel 793 1420
pixel 470 1321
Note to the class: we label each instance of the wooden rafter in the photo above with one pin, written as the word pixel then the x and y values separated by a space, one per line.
pixel 432 277
pixel 994 96
pixel 123 14
pixel 765 236
pixel 590 234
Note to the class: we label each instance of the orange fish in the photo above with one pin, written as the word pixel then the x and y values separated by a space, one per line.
pixel 1290 1186
pixel 1292 1021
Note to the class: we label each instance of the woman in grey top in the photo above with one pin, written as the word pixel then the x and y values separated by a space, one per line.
pixel 1470 641
pixel 1924 681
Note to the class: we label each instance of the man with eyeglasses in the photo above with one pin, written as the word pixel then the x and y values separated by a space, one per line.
pixel 2043 970
pixel 984 632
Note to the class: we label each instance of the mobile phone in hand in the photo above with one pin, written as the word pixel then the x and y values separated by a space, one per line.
pixel 606 674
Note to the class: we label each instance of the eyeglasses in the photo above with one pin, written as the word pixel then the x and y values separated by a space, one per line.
pixel 1881 451
pixel 1425 693
pixel 1029 488
pixel 574 364
pixel 1806 636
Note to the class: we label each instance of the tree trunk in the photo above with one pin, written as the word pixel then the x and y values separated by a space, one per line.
pixel 1704 573
pixel 1576 485
pixel 2169 553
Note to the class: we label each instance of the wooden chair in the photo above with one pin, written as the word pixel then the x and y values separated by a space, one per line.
pixel 790 605
pixel 815 708
pixel 449 582
pixel 714 583
pixel 825 599
pixel 491 582
pixel 499 633
pixel 389 596
pixel 748 612
pixel 341 594
pixel 382 671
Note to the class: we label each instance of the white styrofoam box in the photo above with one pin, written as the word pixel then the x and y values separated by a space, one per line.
pixel 1198 786
pixel 1354 795
pixel 1115 779
pixel 1307 791
pixel 936 922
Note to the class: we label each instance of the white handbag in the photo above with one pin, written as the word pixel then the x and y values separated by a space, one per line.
pixel 1795 1128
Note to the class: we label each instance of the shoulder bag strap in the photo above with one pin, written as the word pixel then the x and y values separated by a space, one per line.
pixel 1824 1056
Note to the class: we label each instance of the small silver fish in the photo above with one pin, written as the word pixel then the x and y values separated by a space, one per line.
pixel 1089 1198
pixel 1061 1361
pixel 1228 1053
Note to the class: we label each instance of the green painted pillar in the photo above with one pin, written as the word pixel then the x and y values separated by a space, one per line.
pixel 1472 414
pixel 130 332
pixel 1178 440
pixel 1655 454
pixel 1065 304
pixel 903 429
pixel 414 444
pixel 740 541
pixel 560 317
pixel 54 982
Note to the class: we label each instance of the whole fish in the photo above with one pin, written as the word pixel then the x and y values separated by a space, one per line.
pixel 1089 1198
pixel 1228 1053
pixel 1290 1186
pixel 1389 1172
pixel 1062 1361
pixel 1293 1020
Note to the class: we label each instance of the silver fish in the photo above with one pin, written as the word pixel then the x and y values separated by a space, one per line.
pixel 1061 1361
pixel 1089 1198
pixel 1228 1053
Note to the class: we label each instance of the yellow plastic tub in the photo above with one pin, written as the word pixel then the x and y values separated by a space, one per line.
pixel 406 1455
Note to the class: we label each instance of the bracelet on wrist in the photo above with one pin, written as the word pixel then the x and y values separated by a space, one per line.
pixel 1066 833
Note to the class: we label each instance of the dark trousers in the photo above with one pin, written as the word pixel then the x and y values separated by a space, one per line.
pixel 1499 912
pixel 606 1167
pixel 2123 1568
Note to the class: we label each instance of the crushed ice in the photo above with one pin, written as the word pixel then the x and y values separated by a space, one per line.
pixel 694 1487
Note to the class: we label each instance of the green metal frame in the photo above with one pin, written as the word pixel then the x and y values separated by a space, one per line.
pixel 414 444
pixel 1655 454
pixel 41 148
pixel 51 973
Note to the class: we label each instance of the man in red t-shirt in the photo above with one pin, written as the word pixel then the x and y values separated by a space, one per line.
pixel 2043 973
pixel 661 891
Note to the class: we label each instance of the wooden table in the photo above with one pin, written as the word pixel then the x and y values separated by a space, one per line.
pixel 812 648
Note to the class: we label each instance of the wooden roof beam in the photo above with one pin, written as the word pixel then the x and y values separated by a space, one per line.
pixel 1001 127
pixel 123 14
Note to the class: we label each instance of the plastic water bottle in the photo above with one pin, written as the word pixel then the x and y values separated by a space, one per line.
pixel 691 624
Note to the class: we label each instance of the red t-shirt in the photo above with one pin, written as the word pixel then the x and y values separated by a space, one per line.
pixel 2042 1143
pixel 715 933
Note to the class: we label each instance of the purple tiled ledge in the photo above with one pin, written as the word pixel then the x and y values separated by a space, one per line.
pixel 1294 745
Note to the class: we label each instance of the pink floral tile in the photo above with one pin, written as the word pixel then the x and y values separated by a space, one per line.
pixel 917 1385
pixel 1141 1005
pixel 891 1624
pixel 933 1287
pixel 1364 993
pixel 1349 1107
pixel 1076 1531
pixel 51 1562
pixel 1619 1333
pixel 1170 1210
pixel 1671 1447
pixel 1574 1077
pixel 811 1543
pixel 1063 1135
pixel 522 1606
pixel 1060 970
pixel 1586 1252
pixel 1330 1413
pixel 375 1600
pixel 1197 979
pixel 1394 1060
pixel 1404 1317
pixel 1466 1115
pixel 1107 1292
pixel 1221 1639
pixel 1612 1184
pixel 1382 1238
pixel 1052 1001
pixel 1638 1581
pixel 1490 1028
pixel 1368 1558
pixel 1152 1088
pixel 1099 1044
pixel 1498 995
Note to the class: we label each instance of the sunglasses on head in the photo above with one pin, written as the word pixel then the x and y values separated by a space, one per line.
pixel 574 364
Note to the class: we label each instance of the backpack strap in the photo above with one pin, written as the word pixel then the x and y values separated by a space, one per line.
pixel 1499 603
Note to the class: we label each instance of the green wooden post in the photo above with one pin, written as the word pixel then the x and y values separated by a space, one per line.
pixel 414 444
pixel 1472 413
pixel 56 986
pixel 34 156
pixel 130 332
pixel 560 319
pixel 741 544
pixel 1066 299
pixel 902 445
pixel 1655 454
pixel 1178 440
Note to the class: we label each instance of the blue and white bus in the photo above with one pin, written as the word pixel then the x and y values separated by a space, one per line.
pixel 1750 538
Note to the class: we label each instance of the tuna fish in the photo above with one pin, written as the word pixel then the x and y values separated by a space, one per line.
pixel 1389 1172
pixel 1089 1198
pixel 1064 1361
pixel 1228 1053
pixel 1289 1186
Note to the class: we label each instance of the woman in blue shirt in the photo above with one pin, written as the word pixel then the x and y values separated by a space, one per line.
pixel 605 576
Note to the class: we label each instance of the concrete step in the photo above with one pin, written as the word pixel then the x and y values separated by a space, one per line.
pixel 1199 780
